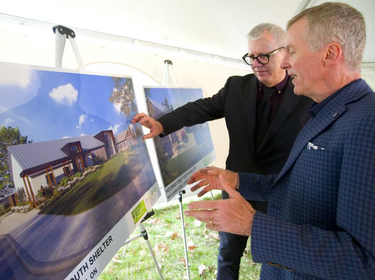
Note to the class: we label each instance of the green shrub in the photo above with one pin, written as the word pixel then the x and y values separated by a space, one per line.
pixel 4 206
pixel 47 191
pixel 39 193
pixel 88 168
pixel 53 199
pixel 64 181
pixel 57 195
pixel 21 194
pixel 98 160
pixel 22 203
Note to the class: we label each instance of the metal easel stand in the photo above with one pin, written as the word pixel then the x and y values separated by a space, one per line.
pixel 145 236
pixel 212 195
pixel 62 34
pixel 166 82
pixel 183 230
pixel 168 72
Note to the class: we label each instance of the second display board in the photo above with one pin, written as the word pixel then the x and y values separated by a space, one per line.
pixel 182 152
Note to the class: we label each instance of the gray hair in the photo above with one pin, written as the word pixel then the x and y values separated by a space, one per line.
pixel 276 31
pixel 335 22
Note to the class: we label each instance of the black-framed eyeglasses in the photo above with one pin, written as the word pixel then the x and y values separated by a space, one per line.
pixel 262 58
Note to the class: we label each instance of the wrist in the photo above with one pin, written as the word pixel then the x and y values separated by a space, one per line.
pixel 160 128
pixel 237 186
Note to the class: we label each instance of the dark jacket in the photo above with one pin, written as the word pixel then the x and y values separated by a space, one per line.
pixel 236 102
pixel 321 221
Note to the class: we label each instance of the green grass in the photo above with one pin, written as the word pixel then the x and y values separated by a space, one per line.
pixel 116 172
pixel 162 227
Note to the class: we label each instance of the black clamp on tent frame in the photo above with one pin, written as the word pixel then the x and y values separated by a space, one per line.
pixel 64 31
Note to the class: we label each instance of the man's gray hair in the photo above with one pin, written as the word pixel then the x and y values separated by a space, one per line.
pixel 276 31
pixel 335 22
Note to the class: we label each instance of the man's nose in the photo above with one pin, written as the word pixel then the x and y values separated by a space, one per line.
pixel 285 62
pixel 256 63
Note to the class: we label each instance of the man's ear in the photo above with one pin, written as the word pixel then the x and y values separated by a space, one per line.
pixel 333 53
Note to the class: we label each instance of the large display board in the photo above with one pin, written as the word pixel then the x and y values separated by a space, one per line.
pixel 75 166
pixel 184 151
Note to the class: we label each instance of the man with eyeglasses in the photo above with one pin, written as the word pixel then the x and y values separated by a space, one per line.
pixel 263 118
pixel 321 216
pixel 262 58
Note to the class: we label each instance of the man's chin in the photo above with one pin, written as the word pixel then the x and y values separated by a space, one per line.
pixel 297 91
pixel 262 76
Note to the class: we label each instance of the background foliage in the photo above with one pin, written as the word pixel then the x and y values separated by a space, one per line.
pixel 8 136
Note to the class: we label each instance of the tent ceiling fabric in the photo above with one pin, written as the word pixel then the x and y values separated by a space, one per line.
pixel 217 27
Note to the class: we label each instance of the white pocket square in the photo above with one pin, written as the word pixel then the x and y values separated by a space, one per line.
pixel 311 146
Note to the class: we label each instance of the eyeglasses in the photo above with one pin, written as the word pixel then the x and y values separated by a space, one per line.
pixel 262 58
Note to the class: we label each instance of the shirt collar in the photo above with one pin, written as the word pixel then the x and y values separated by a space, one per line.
pixel 317 107
pixel 280 86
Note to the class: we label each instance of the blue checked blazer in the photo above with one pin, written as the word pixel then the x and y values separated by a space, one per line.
pixel 321 215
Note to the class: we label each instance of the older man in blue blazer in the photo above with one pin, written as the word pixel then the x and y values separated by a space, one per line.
pixel 321 216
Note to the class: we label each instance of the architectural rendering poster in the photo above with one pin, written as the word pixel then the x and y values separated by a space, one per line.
pixel 75 178
pixel 184 151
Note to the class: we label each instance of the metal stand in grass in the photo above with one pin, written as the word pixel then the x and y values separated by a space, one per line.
pixel 62 33
pixel 166 82
pixel 183 229
pixel 145 236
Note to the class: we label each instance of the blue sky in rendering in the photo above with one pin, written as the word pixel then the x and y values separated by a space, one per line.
pixel 48 105
pixel 175 96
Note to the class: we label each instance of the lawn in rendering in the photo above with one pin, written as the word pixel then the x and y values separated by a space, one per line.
pixel 76 169
pixel 184 151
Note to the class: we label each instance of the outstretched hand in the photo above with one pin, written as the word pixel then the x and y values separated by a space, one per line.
pixel 209 179
pixel 234 215
pixel 155 127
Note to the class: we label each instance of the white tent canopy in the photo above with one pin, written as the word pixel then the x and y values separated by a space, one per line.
pixel 205 39
pixel 215 27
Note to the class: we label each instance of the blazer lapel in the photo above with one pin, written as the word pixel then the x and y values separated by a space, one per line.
pixel 250 109
pixel 330 113
pixel 313 128
pixel 288 102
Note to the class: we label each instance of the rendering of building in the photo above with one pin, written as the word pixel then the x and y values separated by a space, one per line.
pixel 173 144
pixel 42 164
pixel 126 139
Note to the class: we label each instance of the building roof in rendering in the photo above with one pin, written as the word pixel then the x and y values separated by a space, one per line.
pixel 126 134
pixel 121 136
pixel 40 153
pixel 159 110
